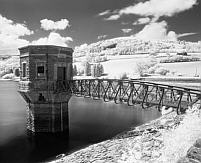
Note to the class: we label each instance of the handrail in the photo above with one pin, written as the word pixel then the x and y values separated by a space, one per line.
pixel 129 91
pixel 184 89
pixel 165 86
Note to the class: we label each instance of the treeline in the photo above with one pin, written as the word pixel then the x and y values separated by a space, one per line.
pixel 179 59
pixel 132 46
pixel 15 71
pixel 94 70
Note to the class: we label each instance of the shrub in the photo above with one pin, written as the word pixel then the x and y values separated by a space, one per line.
pixel 9 71
pixel 100 69
pixel 123 76
pixel 97 70
pixel 93 70
pixel 182 53
pixel 17 72
pixel 75 70
pixel 153 69
pixel 87 69
pixel 162 71
pixel 80 72
pixel 3 73
pixel 179 59
pixel 142 67
pixel 8 76
pixel 98 59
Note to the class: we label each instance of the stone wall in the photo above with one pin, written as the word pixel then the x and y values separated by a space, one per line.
pixel 48 117
pixel 47 109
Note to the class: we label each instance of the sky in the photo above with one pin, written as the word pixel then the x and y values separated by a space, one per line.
pixel 79 22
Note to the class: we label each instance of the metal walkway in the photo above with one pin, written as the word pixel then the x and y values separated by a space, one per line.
pixel 132 92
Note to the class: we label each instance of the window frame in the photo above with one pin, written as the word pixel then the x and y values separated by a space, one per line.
pixel 40 64
pixel 24 70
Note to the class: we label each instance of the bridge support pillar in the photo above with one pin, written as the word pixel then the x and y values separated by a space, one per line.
pixel 48 117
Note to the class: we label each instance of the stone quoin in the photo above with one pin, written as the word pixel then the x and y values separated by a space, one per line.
pixel 42 67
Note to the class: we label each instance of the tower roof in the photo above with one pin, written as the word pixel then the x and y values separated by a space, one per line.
pixel 45 49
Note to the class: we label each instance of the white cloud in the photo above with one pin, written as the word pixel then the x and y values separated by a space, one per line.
pixel 106 12
pixel 81 47
pixel 113 17
pixel 10 33
pixel 51 25
pixel 102 37
pixel 53 39
pixel 159 31
pixel 124 23
pixel 186 34
pixel 156 31
pixel 127 30
pixel 171 35
pixel 8 27
pixel 157 8
pixel 142 21
pixel 9 45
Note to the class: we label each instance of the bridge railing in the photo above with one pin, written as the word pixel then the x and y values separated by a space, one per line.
pixel 135 92
pixel 62 86
pixel 131 92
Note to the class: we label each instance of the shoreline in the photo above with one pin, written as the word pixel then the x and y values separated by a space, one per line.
pixel 155 141
pixel 15 79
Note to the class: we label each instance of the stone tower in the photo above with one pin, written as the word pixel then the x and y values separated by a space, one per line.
pixel 45 71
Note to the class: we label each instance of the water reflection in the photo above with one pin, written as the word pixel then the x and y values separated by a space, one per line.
pixel 90 121
pixel 33 148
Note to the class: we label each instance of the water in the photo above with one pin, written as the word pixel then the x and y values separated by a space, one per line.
pixel 91 121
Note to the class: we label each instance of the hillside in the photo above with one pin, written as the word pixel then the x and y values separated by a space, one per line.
pixel 131 46
pixel 121 55
pixel 8 64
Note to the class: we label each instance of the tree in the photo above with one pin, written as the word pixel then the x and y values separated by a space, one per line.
pixel 75 70
pixel 10 71
pixel 87 69
pixel 142 67
pixel 17 72
pixel 99 70
pixel 93 70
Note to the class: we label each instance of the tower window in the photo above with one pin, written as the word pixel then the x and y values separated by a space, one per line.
pixel 24 66
pixel 40 70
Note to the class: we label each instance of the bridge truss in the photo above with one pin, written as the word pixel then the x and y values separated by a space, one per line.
pixel 132 92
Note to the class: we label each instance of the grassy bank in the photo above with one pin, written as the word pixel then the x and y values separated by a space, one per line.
pixel 115 66
pixel 156 141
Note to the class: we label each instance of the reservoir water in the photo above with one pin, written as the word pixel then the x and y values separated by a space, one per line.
pixel 91 121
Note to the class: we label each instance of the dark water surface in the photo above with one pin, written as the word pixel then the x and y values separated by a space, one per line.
pixel 91 121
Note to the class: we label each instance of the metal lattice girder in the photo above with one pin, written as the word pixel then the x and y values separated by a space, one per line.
pixel 131 92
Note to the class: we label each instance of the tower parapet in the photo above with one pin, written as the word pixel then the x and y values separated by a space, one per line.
pixel 41 68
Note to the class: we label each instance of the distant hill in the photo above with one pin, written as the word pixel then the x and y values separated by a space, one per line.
pixel 114 47
pixel 7 63
pixel 132 46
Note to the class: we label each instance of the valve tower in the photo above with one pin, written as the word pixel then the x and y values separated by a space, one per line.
pixel 42 67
